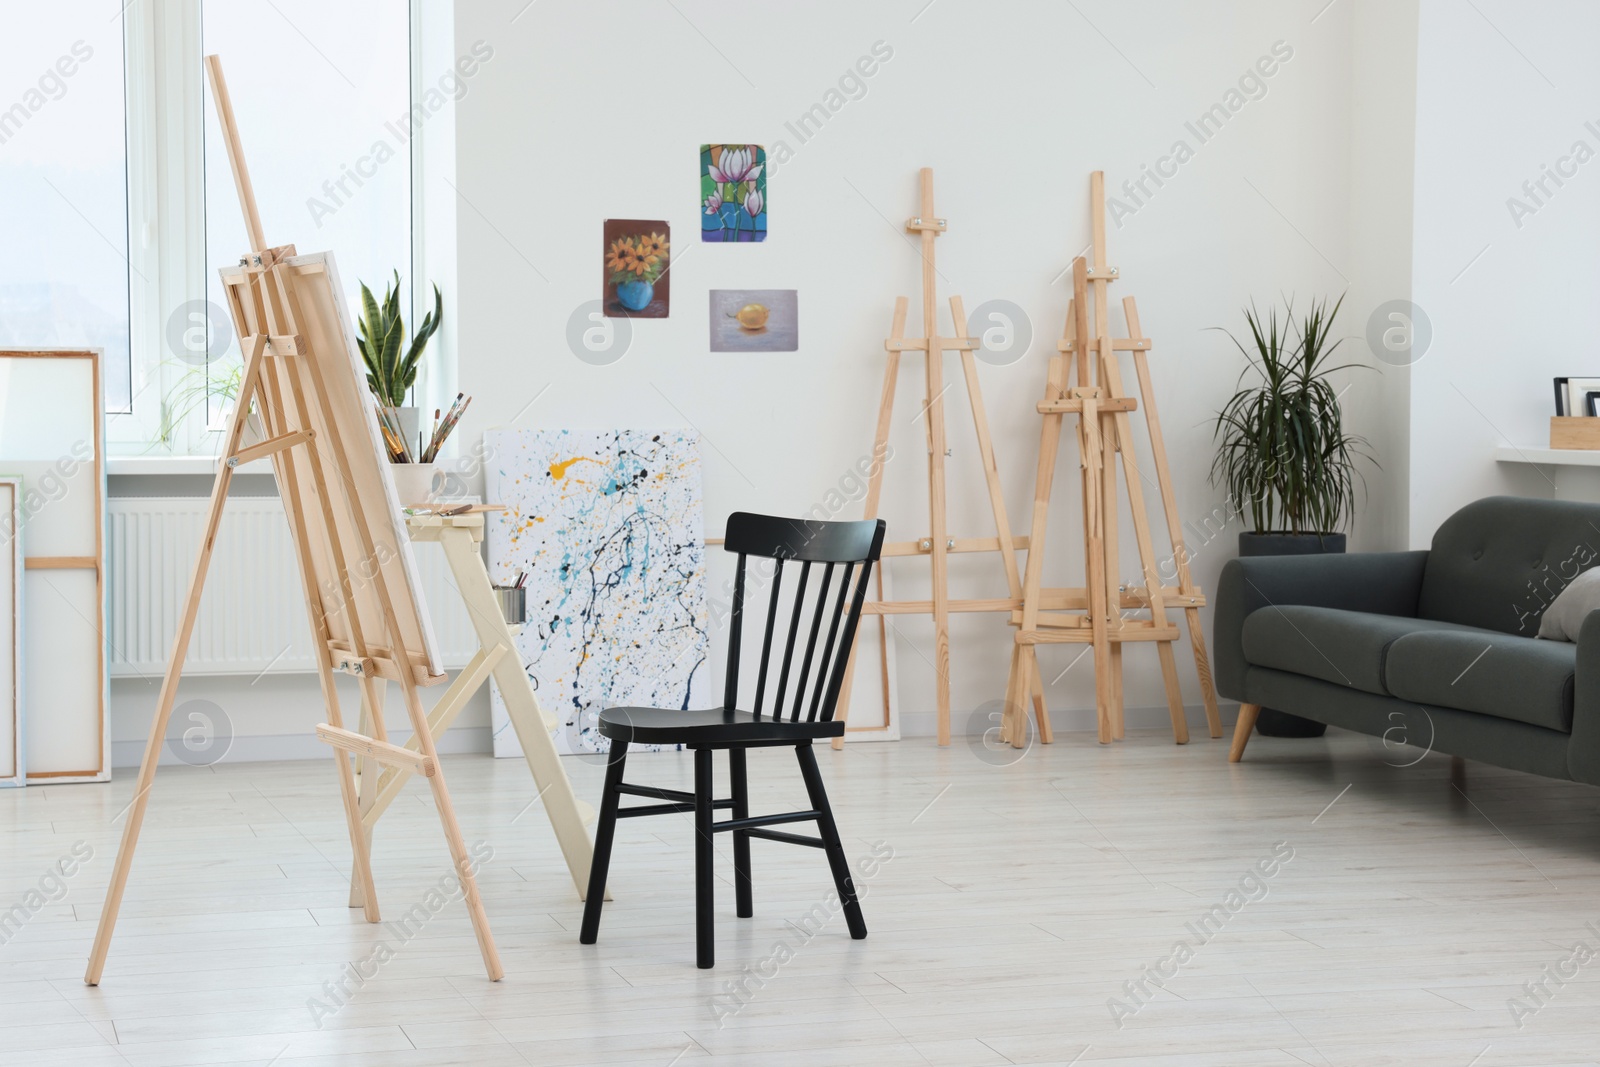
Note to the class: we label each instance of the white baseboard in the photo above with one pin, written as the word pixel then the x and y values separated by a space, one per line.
pixel 477 739
pixel 263 748
pixel 1063 720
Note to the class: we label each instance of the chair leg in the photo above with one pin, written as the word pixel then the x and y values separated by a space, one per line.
pixel 830 838
pixel 743 889
pixel 605 830
pixel 705 947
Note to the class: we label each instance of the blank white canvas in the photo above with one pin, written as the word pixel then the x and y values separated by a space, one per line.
pixel 11 751
pixel 49 417
pixel 44 407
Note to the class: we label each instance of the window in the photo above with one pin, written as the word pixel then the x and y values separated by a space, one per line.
pixel 63 204
pixel 118 204
pixel 327 144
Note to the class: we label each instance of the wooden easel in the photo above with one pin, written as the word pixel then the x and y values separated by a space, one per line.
pixel 1096 614
pixel 938 545
pixel 459 533
pixel 300 376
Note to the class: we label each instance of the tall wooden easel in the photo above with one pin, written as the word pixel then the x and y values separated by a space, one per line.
pixel 301 377
pixel 1097 614
pixel 938 545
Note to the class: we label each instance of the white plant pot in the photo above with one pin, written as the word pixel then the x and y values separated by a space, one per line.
pixel 416 483
pixel 255 431
pixel 410 422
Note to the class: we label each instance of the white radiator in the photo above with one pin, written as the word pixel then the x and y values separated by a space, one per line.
pixel 253 614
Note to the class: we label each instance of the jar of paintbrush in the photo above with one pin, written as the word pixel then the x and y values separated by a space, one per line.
pixel 417 480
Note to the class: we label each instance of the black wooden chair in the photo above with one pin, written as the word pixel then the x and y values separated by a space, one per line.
pixel 851 546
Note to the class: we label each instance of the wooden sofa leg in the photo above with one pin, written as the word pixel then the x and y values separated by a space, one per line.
pixel 1248 713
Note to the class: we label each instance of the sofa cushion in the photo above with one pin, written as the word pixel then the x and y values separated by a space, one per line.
pixel 1521 678
pixel 1498 563
pixel 1564 617
pixel 1334 645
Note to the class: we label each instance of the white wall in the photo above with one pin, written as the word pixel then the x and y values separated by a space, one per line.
pixel 1382 126
pixel 596 110
pixel 1504 89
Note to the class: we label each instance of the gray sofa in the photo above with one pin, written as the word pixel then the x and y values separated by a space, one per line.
pixel 1434 649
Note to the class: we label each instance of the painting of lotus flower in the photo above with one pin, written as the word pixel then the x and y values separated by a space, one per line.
pixel 733 192
pixel 638 253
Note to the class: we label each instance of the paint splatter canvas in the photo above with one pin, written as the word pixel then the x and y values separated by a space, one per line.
pixel 755 320
pixel 733 192
pixel 609 527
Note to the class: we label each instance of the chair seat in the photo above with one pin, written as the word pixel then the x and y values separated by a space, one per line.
pixel 674 726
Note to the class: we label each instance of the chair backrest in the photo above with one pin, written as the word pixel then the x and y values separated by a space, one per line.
pixel 822 606
pixel 1499 562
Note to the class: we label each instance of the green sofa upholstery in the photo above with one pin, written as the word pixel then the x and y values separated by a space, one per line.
pixel 1435 648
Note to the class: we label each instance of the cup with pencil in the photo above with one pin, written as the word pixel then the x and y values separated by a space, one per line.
pixel 416 477
pixel 513 600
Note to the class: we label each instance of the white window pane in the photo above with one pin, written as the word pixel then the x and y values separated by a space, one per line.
pixel 325 133
pixel 63 184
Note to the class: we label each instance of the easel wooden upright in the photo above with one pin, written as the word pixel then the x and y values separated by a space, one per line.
pixel 938 545
pixel 1097 613
pixel 301 377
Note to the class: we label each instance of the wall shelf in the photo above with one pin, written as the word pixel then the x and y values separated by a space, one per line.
pixel 1543 455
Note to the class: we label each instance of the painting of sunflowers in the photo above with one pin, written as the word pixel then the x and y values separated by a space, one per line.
pixel 733 192
pixel 637 255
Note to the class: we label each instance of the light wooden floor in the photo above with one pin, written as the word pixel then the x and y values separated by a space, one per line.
pixel 1019 900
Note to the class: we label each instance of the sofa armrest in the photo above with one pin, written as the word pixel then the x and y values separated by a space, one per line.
pixel 1386 583
pixel 1583 751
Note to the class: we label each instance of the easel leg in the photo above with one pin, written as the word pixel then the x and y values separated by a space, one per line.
pixel 1041 714
pixel 1095 561
pixel 370 771
pixel 362 875
pixel 880 449
pixel 1169 507
pixel 1202 667
pixel 1013 718
pixel 169 685
pixel 1025 657
pixel 1169 673
pixel 452 835
pixel 1109 444
pixel 277 411
pixel 522 705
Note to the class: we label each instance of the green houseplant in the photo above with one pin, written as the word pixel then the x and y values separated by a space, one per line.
pixel 193 391
pixel 1283 456
pixel 391 364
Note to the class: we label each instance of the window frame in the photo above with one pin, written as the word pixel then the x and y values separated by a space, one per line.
pixel 166 132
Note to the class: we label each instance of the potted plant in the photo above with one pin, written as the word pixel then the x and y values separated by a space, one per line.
pixel 193 392
pixel 391 373
pixel 1284 456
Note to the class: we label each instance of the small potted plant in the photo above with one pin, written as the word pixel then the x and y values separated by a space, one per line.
pixel 194 391
pixel 1284 457
pixel 391 372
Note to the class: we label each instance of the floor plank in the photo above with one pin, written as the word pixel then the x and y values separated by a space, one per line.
pixel 1142 904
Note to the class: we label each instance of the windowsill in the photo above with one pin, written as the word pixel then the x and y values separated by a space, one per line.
pixel 171 465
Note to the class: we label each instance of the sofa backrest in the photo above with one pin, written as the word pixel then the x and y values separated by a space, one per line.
pixel 1499 562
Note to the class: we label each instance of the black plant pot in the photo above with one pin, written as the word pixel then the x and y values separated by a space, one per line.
pixel 1274 723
